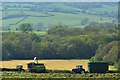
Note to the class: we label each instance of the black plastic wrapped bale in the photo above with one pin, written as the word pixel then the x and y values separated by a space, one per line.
pixel 98 67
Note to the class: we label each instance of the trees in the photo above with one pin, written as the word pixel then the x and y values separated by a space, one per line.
pixel 40 26
pixel 119 65
pixel 79 48
pixel 112 56
pixel 64 31
pixel 108 52
pixel 63 43
pixel 25 27
pixel 84 21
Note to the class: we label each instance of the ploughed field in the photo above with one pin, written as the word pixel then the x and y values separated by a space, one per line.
pixel 50 64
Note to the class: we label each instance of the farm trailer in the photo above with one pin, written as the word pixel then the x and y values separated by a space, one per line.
pixel 98 67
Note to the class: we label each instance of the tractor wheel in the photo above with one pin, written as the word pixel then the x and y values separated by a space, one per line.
pixel 82 72
pixel 73 72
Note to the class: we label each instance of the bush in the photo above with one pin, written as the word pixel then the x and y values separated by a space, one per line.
pixel 119 65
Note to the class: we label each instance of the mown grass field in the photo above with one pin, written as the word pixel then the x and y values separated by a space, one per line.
pixel 60 76
pixel 50 64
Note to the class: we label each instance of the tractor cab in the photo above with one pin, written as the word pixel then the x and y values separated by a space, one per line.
pixel 79 66
pixel 19 68
pixel 78 69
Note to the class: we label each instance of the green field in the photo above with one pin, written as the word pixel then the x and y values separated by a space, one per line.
pixel 51 17
pixel 64 18
pixel 41 33
pixel 68 76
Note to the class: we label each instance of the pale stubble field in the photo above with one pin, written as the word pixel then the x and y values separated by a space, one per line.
pixel 50 64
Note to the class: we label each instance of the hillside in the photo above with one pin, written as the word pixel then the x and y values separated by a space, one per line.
pixel 45 15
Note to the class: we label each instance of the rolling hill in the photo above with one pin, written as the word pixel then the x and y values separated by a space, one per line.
pixel 45 15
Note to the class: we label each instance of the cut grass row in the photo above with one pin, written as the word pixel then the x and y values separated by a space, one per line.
pixel 110 76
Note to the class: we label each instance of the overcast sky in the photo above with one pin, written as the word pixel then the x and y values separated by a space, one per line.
pixel 59 0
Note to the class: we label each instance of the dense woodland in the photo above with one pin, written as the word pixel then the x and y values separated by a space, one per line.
pixel 97 42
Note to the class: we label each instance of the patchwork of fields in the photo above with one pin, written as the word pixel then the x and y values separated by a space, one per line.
pixel 49 14
pixel 64 18
pixel 50 64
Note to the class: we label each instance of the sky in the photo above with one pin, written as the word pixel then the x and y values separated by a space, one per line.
pixel 59 0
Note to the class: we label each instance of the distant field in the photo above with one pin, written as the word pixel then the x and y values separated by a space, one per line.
pixel 64 18
pixel 36 32
pixel 40 33
pixel 50 64
pixel 55 17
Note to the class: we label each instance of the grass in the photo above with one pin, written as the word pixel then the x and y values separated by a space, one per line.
pixel 50 64
pixel 68 76
pixel 41 33
pixel 22 4
pixel 33 13
pixel 64 18
pixel 11 21
pixel 112 68
pixel 105 8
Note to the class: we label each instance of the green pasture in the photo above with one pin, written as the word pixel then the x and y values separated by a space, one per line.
pixel 35 17
pixel 63 18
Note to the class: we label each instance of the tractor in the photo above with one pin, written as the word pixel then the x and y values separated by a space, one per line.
pixel 78 69
pixel 36 67
pixel 19 68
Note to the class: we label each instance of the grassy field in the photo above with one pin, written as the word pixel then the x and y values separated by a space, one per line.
pixel 50 64
pixel 40 33
pixel 10 21
pixel 65 18
pixel 68 76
